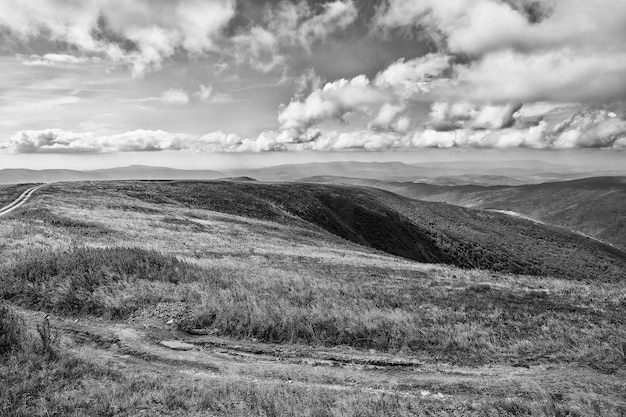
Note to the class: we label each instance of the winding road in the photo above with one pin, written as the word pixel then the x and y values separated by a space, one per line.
pixel 18 202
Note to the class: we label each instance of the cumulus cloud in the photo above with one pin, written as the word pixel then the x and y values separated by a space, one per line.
pixel 477 27
pixel 449 116
pixel 585 129
pixel 384 98
pixel 307 82
pixel 60 141
pixel 501 66
pixel 336 16
pixel 561 76
pixel 287 25
pixel 333 100
pixel 598 128
pixel 141 33
pixel 522 50
pixel 465 125
pixel 388 118
pixel 175 97
pixel 415 76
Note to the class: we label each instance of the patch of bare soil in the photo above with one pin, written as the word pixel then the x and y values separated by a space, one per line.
pixel 161 349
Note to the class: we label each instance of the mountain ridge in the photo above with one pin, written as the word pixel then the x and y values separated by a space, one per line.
pixel 595 206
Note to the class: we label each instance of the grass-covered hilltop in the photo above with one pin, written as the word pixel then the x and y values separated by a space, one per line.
pixel 242 297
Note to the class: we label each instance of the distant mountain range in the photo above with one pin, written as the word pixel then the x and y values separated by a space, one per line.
pixel 133 172
pixel 440 173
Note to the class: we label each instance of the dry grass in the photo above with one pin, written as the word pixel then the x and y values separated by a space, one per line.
pixel 8 193
pixel 289 284
pixel 312 304
pixel 36 383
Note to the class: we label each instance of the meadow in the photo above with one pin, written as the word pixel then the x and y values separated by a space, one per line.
pixel 285 317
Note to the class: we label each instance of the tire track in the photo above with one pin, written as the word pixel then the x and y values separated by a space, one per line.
pixel 21 200
pixel 525 217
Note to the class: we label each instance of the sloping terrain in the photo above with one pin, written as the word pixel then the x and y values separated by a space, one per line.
pixel 421 231
pixel 133 298
pixel 594 206
pixel 8 193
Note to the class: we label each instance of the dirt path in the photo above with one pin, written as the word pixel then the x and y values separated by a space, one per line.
pixel 133 346
pixel 21 200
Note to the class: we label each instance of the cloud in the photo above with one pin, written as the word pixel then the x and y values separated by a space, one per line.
pixel 333 100
pixel 175 97
pixel 599 128
pixel 207 94
pixel 450 116
pixel 592 128
pixel 384 98
pixel 307 82
pixel 585 129
pixel 336 16
pixel 52 60
pixel 415 76
pixel 201 20
pixel 388 119
pixel 561 76
pixel 60 141
pixel 477 27
pixel 471 126
pixel 140 33
pixel 287 25
pixel 258 48
pixel 51 141
pixel 521 50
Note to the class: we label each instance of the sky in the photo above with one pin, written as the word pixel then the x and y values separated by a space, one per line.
pixel 206 83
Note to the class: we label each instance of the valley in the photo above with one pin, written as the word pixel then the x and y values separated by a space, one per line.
pixel 595 206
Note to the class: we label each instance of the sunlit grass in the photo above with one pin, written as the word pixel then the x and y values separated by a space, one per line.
pixel 115 257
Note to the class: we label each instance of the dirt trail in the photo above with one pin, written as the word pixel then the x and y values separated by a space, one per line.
pixel 21 200
pixel 124 347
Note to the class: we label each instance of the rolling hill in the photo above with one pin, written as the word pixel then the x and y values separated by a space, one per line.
pixel 594 206
pixel 417 230
pixel 253 298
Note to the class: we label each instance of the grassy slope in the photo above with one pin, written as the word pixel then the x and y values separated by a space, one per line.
pixel 286 282
pixel 8 193
pixel 422 231
pixel 595 206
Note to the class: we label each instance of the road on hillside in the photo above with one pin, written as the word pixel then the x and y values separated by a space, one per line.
pixel 525 217
pixel 18 202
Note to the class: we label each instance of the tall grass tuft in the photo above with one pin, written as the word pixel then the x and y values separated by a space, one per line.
pixel 12 331
pixel 73 281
